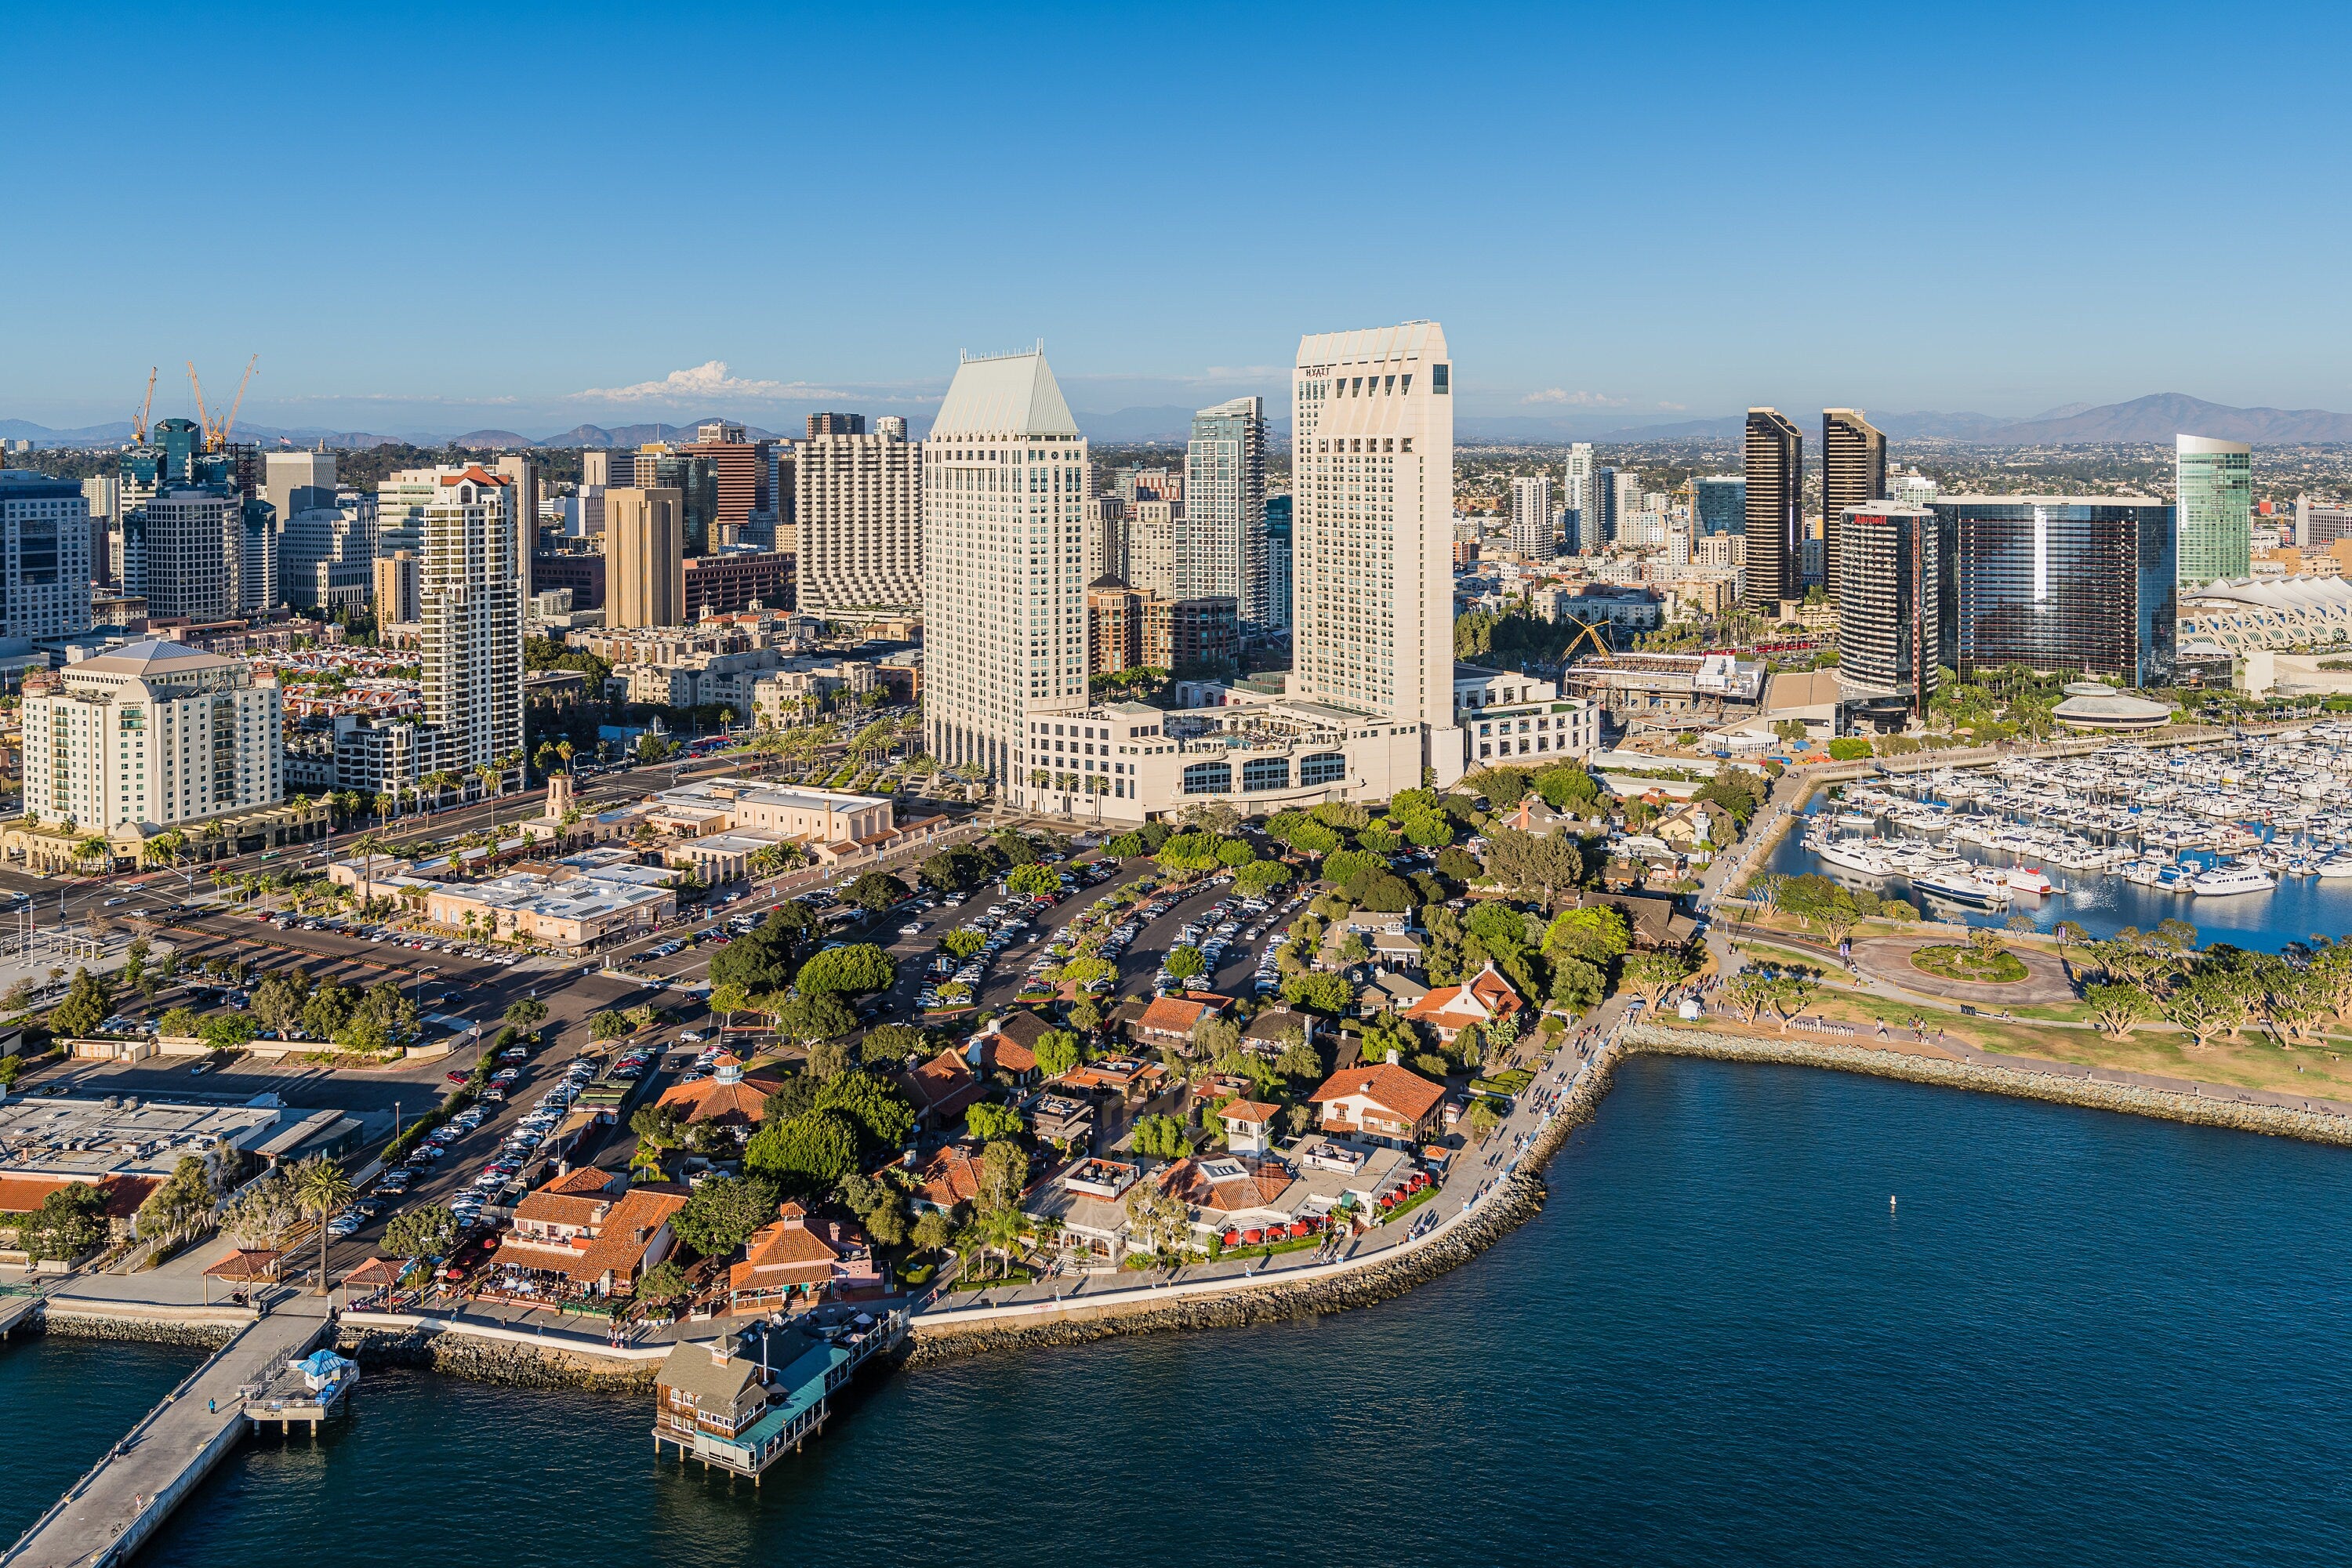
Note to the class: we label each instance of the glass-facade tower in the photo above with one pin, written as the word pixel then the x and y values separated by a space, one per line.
pixel 2214 483
pixel 2080 583
pixel 1720 503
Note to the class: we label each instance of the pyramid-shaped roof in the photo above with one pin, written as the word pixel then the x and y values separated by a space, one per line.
pixel 1005 396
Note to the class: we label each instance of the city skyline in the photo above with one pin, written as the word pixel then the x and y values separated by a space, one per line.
pixel 1652 328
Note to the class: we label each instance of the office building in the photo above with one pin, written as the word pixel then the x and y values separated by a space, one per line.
pixel 191 555
pixel 256 560
pixel 400 502
pixel 104 496
pixel 1193 638
pixel 1775 511
pixel 1373 465
pixel 1853 473
pixel 645 558
pixel 2083 585
pixel 1004 612
pixel 857 515
pixel 156 734
pixel 1720 504
pixel 1532 533
pixel 1221 552
pixel 608 468
pixel 521 474
pixel 1279 595
pixel 744 509
pixel 45 570
pixel 1890 607
pixel 2214 482
pixel 395 590
pixel 1598 528
pixel 734 581
pixel 468 582
pixel 293 482
pixel 583 574
pixel 326 553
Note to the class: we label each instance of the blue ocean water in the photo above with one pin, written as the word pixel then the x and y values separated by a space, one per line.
pixel 2298 908
pixel 2075 1338
pixel 63 1403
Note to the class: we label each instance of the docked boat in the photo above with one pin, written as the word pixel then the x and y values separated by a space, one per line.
pixel 2029 879
pixel 2337 865
pixel 1961 886
pixel 2241 879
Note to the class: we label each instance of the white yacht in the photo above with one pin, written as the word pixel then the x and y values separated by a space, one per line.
pixel 1961 886
pixel 2241 879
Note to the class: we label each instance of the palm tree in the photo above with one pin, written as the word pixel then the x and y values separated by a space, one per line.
pixel 491 778
pixel 89 848
pixel 564 749
pixel 320 1191
pixel 541 758
pixel 384 801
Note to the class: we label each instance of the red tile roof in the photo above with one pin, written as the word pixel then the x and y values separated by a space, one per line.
pixel 1486 994
pixel 1255 1110
pixel 1173 1016
pixel 714 1100
pixel 120 1194
pixel 1396 1089
pixel 951 1176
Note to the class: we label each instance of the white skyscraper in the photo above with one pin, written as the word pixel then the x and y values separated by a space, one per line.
pixel 1372 457
pixel 1580 495
pixel 1220 550
pixel 468 589
pixel 45 537
pixel 156 733
pixel 1531 529
pixel 859 506
pixel 1004 603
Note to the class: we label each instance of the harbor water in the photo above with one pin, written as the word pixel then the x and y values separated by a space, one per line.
pixel 63 1403
pixel 2080 1338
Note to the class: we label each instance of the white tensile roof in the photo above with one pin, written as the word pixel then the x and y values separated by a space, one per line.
pixel 1005 396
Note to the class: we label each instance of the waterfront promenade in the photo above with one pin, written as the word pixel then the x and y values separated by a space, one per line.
pixel 106 1515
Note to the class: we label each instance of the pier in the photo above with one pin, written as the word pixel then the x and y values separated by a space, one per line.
pixel 109 1512
pixel 741 1416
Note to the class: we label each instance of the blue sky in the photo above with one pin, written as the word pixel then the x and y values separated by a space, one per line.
pixel 436 219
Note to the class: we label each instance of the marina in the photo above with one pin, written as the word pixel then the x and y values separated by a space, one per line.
pixel 2250 838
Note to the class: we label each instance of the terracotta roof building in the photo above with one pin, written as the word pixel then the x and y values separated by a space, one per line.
pixel 1383 1102
pixel 1486 998
pixel 799 1254
pixel 951 1176
pixel 726 1099
pixel 942 1088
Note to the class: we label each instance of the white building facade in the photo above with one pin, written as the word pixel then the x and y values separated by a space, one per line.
pixel 1005 605
pixel 155 734
pixel 1531 522
pixel 1373 462
pixel 191 553
pixel 1220 550
pixel 859 506
pixel 45 565
pixel 468 588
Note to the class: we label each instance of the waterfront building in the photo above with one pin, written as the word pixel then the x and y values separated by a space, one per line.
pixel 1221 552
pixel 467 592
pixel 2214 485
pixel 45 565
pixel 1890 606
pixel 1373 460
pixel 1776 510
pixel 1127 761
pixel 1720 504
pixel 859 515
pixel 1853 473
pixel 2080 583
pixel 645 557
pixel 1004 490
pixel 1532 532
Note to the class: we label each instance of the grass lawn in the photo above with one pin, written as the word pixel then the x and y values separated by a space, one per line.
pixel 1954 962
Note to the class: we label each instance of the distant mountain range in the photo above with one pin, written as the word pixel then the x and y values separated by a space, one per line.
pixel 2156 419
pixel 2152 419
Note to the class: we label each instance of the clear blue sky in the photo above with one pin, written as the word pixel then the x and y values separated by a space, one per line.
pixel 438 218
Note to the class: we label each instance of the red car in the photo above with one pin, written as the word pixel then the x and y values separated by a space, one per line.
pixel 456 1077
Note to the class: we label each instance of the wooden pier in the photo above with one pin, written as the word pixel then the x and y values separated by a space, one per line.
pixel 741 1416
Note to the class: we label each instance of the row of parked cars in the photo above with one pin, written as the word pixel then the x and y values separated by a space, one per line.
pixel 1214 932
pixel 1269 974
pixel 1002 925
pixel 381 933
pixel 530 1132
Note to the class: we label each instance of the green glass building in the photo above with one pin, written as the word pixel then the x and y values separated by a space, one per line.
pixel 2215 492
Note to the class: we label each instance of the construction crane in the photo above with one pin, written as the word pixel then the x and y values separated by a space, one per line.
pixel 138 426
pixel 216 435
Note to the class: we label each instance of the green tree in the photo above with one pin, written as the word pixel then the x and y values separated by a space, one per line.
pixel 878 1107
pixel 723 1213
pixel 88 1005
pixel 70 1221
pixel 964 942
pixel 1259 877
pixel 1059 1051
pixel 182 1204
pixel 889 1047
pixel 1319 993
pixel 321 1192
pixel 804 1153
pixel 875 891
pixel 989 1122
pixel 1161 1137
pixel 429 1230
pixel 1184 962
pixel 931 1231
pixel 1481 1118
pixel 1651 975
pixel 1036 879
pixel 858 970
pixel 808 1020
pixel 1546 864
pixel 663 1283
pixel 2115 1008
pixel 525 1012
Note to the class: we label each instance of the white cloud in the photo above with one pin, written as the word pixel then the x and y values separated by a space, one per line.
pixel 1576 399
pixel 706 381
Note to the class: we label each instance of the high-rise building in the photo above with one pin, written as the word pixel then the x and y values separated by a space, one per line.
pixel 2214 482
pixel 104 496
pixel 859 515
pixel 294 482
pixel 1890 606
pixel 1193 638
pixel 1531 525
pixel 605 467
pixel 1114 628
pixel 400 499
pixel 326 553
pixel 157 734
pixel 2087 584
pixel 1149 562
pixel 744 509
pixel 1222 550
pixel 1720 504
pixel 521 474
pixel 645 558
pixel 467 590
pixel 1280 596
pixel 1103 546
pixel 192 551
pixel 256 560
pixel 1775 511
pixel 1373 465
pixel 1853 473
pixel 1004 609
pixel 45 567
pixel 395 590
pixel 1579 477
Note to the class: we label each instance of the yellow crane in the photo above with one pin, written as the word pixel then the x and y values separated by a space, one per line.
pixel 138 426
pixel 216 435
